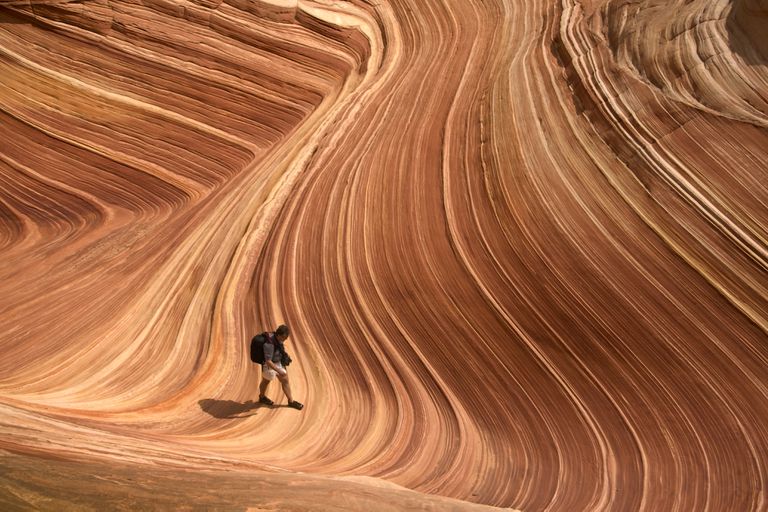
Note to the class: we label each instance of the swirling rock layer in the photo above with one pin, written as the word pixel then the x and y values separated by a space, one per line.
pixel 521 246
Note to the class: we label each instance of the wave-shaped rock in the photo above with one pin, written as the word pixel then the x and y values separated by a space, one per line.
pixel 521 246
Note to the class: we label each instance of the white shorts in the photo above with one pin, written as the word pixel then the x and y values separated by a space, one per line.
pixel 268 373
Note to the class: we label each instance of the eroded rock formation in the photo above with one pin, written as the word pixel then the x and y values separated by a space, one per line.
pixel 521 246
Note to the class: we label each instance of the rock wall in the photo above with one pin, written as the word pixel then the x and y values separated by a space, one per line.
pixel 521 247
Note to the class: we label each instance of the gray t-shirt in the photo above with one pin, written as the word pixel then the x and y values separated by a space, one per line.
pixel 271 352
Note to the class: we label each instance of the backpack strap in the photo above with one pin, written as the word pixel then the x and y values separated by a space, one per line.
pixel 277 343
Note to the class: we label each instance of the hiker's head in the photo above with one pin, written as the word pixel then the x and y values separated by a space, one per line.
pixel 282 332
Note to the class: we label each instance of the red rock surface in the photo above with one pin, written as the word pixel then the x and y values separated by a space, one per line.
pixel 522 247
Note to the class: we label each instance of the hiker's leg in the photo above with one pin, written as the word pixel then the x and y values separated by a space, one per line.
pixel 286 387
pixel 263 387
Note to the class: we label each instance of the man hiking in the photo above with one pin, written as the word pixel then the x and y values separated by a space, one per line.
pixel 275 361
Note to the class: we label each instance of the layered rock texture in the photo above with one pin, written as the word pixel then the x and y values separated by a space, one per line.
pixel 522 247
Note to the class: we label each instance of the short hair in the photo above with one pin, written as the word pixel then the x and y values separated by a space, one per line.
pixel 282 330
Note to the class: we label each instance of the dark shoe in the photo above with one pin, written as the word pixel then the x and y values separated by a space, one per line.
pixel 265 400
pixel 296 405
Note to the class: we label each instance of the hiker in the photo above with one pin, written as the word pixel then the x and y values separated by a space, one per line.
pixel 275 361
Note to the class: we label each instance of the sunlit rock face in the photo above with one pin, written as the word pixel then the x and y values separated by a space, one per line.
pixel 522 248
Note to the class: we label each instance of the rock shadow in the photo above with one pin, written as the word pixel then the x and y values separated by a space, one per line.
pixel 229 409
pixel 746 27
pixel 13 18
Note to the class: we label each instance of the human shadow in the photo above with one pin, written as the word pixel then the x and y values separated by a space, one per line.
pixel 229 409
pixel 746 28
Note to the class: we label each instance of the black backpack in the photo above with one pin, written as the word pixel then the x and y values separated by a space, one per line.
pixel 257 347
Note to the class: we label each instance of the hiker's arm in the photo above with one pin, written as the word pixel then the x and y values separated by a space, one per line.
pixel 269 351
pixel 279 370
